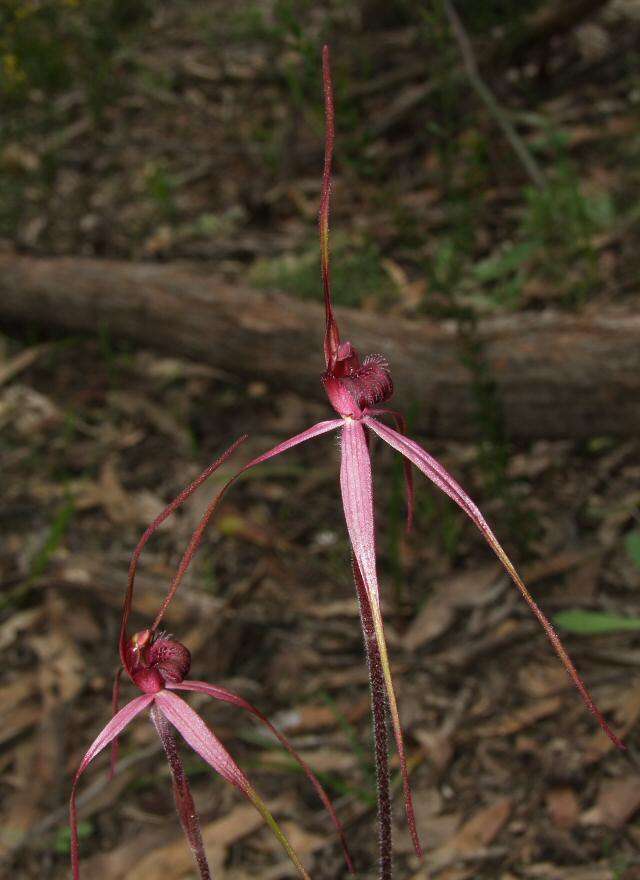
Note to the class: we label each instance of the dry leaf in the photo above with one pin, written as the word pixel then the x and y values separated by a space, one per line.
pixel 17 623
pixel 20 362
pixel 474 836
pixel 28 411
pixel 520 718
pixel 175 859
pixel 482 828
pixel 469 589
pixel 617 802
pixel 542 679
pixel 311 717
pixel 563 807
pixel 139 405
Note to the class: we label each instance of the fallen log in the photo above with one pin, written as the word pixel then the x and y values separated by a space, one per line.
pixel 556 375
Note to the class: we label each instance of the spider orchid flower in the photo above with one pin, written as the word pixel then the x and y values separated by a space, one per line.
pixel 158 665
pixel 356 389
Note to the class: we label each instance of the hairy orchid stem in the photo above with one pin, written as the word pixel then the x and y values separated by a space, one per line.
pixel 380 734
pixel 182 793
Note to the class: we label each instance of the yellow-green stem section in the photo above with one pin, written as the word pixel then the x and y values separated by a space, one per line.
pixel 386 670
pixel 262 808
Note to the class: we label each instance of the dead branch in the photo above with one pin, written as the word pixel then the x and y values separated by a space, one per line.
pixel 557 375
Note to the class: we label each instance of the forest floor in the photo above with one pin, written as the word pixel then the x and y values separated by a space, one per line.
pixel 173 148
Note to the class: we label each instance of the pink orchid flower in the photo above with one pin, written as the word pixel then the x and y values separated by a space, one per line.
pixel 158 666
pixel 356 389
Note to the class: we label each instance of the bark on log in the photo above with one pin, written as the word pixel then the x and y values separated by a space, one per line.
pixel 556 375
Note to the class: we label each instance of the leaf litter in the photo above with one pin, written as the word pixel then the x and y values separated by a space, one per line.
pixel 509 687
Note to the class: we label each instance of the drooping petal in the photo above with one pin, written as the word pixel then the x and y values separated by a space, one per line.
pixel 357 500
pixel 220 693
pixel 196 538
pixel 380 738
pixel 182 792
pixel 113 729
pixel 211 750
pixel 434 471
pixel 169 509
pixel 401 425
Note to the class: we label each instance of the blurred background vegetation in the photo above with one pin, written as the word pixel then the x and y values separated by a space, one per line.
pixel 194 130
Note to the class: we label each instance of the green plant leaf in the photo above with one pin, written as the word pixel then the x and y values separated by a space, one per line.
pixel 587 623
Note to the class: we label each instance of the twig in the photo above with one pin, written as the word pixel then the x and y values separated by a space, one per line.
pixel 519 147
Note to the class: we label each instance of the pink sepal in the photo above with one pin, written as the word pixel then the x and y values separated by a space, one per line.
pixel 220 693
pixel 200 738
pixel 113 729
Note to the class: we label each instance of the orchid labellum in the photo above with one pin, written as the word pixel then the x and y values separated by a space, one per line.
pixel 356 389
pixel 158 666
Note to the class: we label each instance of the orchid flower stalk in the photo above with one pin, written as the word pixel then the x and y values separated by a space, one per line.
pixel 158 665
pixel 357 389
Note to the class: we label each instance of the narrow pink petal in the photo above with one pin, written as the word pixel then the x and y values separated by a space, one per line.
pixel 208 746
pixel 314 431
pixel 357 501
pixel 401 425
pixel 196 538
pixel 182 792
pixel 113 729
pixel 201 739
pixel 434 471
pixel 220 693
